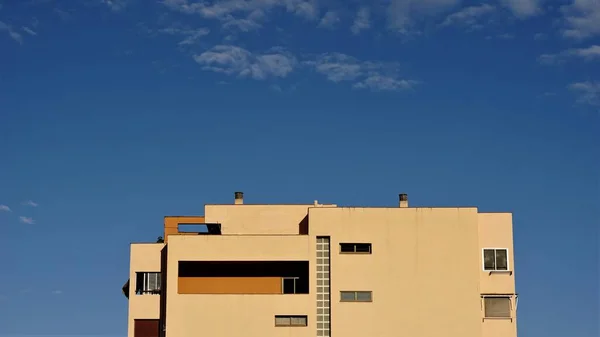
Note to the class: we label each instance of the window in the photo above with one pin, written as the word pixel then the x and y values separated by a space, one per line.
pixel 355 248
pixel 356 296
pixel 287 320
pixel 147 283
pixel 495 259
pixel 497 307
pixel 288 285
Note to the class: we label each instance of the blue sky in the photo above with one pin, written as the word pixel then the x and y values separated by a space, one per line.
pixel 116 113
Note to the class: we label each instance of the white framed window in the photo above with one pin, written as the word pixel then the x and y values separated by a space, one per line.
pixel 497 306
pixel 356 296
pixel 148 283
pixel 291 320
pixel 495 259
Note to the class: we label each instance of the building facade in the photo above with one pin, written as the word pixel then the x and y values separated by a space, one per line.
pixel 321 270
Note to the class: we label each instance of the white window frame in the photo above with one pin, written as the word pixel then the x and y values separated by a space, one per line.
pixel 495 270
pixel 145 287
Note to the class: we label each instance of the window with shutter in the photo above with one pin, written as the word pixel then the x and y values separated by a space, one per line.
pixel 497 307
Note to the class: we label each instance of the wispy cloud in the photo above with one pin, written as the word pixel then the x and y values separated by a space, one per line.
pixel 582 19
pixel 57 292
pixel 523 8
pixel 588 92
pixel 244 14
pixel 4 208
pixel 329 20
pixel 26 220
pixel 4 27
pixel 30 203
pixel 588 54
pixel 28 31
pixel 402 14
pixel 469 16
pixel 362 20
pixel 233 60
pixel 191 36
pixel 115 5
pixel 376 76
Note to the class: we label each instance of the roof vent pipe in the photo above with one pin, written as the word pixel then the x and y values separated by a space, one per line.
pixel 403 200
pixel 239 198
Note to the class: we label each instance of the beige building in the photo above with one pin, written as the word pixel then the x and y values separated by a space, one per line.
pixel 322 270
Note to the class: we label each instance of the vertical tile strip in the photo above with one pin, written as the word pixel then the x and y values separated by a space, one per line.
pixel 323 292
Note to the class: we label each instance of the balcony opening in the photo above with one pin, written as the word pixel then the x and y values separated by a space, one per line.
pixel 243 277
pixel 199 228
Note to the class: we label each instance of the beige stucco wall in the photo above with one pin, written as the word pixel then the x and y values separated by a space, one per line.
pixel 425 272
pixel 144 257
pixel 257 219
pixel 496 231
pixel 233 315
pixel 421 270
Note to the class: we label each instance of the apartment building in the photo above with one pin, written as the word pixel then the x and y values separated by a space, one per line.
pixel 319 270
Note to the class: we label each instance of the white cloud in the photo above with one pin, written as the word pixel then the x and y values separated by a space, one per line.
pixel 11 33
pixel 582 19
pixel 402 14
pixel 232 60
pixel 28 31
pixel 4 208
pixel 523 8
pixel 30 203
pixel 191 36
pixel 115 5
pixel 384 83
pixel 57 292
pixel 26 220
pixel 468 16
pixel 588 92
pixel 243 14
pixel 375 76
pixel 329 20
pixel 362 20
pixel 588 54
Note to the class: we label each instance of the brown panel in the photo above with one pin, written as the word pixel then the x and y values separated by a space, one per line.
pixel 171 223
pixel 229 285
pixel 146 328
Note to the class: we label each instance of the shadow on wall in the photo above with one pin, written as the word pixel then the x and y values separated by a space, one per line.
pixel 303 226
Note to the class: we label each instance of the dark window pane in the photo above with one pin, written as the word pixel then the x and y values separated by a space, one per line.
pixel 501 259
pixel 347 296
pixel 363 248
pixel 489 259
pixel 364 296
pixel 289 286
pixel 347 247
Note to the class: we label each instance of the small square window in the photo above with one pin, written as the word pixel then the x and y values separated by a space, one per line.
pixel 497 307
